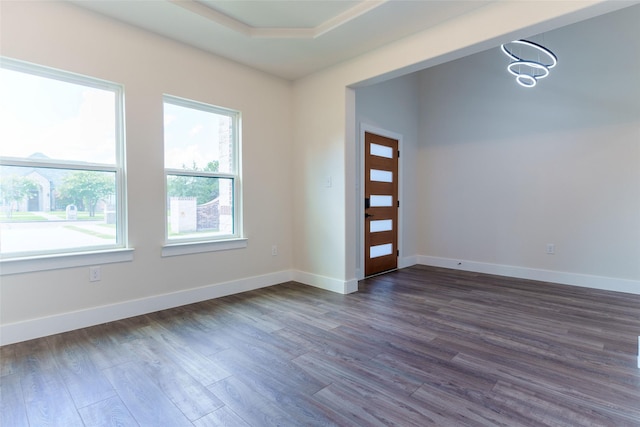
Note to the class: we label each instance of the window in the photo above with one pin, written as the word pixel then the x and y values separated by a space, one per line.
pixel 61 162
pixel 201 158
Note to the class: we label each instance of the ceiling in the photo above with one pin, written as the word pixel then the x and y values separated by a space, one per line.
pixel 287 38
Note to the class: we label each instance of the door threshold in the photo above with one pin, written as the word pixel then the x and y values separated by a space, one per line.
pixel 381 273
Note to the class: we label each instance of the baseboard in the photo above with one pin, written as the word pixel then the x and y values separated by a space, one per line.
pixel 41 327
pixel 326 283
pixel 44 326
pixel 407 261
pixel 575 279
pixel 36 328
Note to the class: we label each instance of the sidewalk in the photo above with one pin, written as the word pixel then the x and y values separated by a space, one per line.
pixel 55 233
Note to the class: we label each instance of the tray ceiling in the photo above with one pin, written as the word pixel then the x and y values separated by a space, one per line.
pixel 289 39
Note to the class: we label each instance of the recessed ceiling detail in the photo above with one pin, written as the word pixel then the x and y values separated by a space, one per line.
pixel 289 20
pixel 282 13
pixel 286 38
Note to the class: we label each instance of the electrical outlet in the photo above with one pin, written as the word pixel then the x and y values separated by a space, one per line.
pixel 274 250
pixel 94 274
pixel 551 248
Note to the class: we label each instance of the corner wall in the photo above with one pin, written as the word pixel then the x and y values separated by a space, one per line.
pixel 63 36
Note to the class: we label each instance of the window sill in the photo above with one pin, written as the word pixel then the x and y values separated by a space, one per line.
pixel 186 248
pixel 59 261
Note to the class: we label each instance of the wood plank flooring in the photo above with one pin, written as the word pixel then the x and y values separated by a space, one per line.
pixel 417 347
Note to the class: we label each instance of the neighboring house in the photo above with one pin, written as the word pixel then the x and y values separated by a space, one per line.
pixel 44 198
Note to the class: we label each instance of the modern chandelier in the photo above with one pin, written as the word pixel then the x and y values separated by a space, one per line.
pixel 530 61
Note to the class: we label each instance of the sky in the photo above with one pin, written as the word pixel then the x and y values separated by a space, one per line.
pixel 62 120
pixel 67 121
pixel 190 136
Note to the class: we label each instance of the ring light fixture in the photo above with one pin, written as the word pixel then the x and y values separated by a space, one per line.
pixel 530 61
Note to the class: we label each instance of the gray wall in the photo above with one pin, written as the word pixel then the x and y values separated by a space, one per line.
pixel 505 170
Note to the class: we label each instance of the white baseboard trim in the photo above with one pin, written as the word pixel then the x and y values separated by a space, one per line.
pixel 407 261
pixel 44 326
pixel 575 279
pixel 64 322
pixel 326 283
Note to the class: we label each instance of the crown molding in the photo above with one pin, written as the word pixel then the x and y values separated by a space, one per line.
pixel 238 26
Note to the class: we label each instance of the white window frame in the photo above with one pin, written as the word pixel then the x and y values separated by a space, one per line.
pixel 208 243
pixel 84 255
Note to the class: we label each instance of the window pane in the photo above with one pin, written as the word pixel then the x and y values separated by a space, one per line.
pixel 380 225
pixel 380 250
pixel 196 139
pixel 381 151
pixel 201 140
pixel 380 175
pixel 380 201
pixel 61 168
pixel 199 206
pixel 46 118
pixel 51 209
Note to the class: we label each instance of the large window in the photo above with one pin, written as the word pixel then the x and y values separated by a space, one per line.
pixel 61 162
pixel 201 158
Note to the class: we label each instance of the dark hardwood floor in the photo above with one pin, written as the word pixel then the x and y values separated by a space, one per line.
pixel 417 347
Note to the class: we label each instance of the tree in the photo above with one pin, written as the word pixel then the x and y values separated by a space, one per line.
pixel 88 188
pixel 14 189
pixel 204 189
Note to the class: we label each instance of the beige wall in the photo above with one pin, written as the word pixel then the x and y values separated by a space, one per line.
pixel 69 38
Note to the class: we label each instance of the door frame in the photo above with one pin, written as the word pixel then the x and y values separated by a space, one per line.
pixel 360 222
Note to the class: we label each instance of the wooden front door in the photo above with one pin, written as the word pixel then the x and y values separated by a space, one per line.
pixel 380 204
